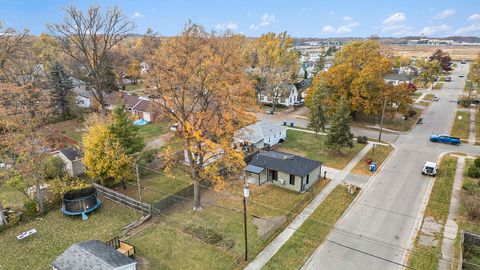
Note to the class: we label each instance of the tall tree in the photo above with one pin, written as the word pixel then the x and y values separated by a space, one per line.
pixel 314 102
pixel 199 81
pixel 126 133
pixel 429 70
pixel 23 112
pixel 47 50
pixel 320 63
pixel 278 64
pixel 133 71
pixel 62 87
pixel 12 42
pixel 339 135
pixel 104 156
pixel 443 58
pixel 88 38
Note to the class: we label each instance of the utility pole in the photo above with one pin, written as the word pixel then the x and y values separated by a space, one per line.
pixel 139 188
pixel 470 94
pixel 381 121
pixel 246 194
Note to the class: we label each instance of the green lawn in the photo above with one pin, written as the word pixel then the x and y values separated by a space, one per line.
pixel 156 186
pixel 461 127
pixel 416 95
pixel 294 253
pixel 133 87
pixel 313 147
pixel 11 197
pixel 164 245
pixel 438 86
pixel 151 131
pixel 379 155
pixel 56 232
pixel 393 123
pixel 477 126
pixel 426 258
pixel 428 97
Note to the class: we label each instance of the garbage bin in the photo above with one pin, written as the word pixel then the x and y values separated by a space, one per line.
pixel 284 123
pixel 373 166
pixel 291 124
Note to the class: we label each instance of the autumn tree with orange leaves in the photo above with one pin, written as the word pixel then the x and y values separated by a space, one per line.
pixel 199 81
pixel 358 76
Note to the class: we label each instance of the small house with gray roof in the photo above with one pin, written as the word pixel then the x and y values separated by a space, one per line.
pixel 93 254
pixel 260 135
pixel 72 157
pixel 282 169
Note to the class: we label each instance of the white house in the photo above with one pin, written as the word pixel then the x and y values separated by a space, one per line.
pixel 397 78
pixel 144 67
pixel 83 96
pixel 260 134
pixel 287 95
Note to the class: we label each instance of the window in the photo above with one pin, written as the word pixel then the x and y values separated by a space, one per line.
pixel 308 178
pixel 292 179
pixel 274 175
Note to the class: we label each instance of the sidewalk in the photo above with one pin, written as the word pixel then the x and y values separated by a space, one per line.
pixel 450 228
pixel 269 251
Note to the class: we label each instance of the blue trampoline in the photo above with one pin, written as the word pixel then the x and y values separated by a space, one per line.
pixel 80 202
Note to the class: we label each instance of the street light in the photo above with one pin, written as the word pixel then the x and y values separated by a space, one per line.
pixel 246 194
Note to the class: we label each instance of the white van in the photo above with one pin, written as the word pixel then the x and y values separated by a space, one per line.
pixel 430 168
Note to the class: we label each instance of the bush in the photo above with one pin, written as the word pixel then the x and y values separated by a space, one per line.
pixel 471 188
pixel 471 203
pixel 411 112
pixel 473 172
pixel 54 167
pixel 362 139
pixel 477 162
pixel 464 101
pixel 30 209
pixel 145 158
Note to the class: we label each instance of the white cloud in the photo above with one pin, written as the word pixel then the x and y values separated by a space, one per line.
pixel 473 28
pixel 347 18
pixel 265 20
pixel 344 29
pixel 138 15
pixel 398 17
pixel 444 14
pixel 434 30
pixel 328 29
pixel 474 17
pixel 225 26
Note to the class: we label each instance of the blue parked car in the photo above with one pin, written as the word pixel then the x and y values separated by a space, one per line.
pixel 444 138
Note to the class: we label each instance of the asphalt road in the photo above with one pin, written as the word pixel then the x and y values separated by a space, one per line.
pixel 375 230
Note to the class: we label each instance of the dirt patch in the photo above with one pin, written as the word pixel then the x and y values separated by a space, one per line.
pixel 268 225
pixel 456 52
pixel 160 141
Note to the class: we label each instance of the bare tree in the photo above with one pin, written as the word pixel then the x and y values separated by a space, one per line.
pixel 12 45
pixel 88 38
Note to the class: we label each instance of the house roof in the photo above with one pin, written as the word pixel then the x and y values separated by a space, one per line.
pixel 72 153
pixel 254 169
pixel 130 101
pixel 254 133
pixel 283 162
pixel 91 254
pixel 143 106
pixel 397 77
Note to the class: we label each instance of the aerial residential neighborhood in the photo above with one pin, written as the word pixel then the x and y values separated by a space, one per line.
pixel 239 135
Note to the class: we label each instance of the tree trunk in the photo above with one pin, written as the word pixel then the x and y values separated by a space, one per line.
pixel 196 195
pixel 3 221
pixel 40 196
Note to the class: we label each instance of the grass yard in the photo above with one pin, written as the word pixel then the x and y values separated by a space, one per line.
pixel 11 197
pixel 380 154
pixel 313 147
pixel 56 232
pixel 71 128
pixel 156 186
pixel 438 86
pixel 294 253
pixel 150 131
pixel 267 107
pixel 416 95
pixel 163 245
pixel 393 123
pixel 428 97
pixel 461 127
pixel 426 258
pixel 424 103
pixel 133 87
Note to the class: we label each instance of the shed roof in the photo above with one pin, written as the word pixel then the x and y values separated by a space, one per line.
pixel 283 162
pixel 91 254
pixel 72 153
pixel 254 133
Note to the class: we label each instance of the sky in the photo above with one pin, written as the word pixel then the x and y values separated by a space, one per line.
pixel 308 18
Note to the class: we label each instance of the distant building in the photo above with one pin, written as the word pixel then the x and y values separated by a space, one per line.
pixel 288 95
pixel 142 107
pixel 260 134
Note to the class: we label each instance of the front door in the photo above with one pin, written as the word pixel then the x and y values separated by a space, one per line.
pixel 302 186
pixel 272 175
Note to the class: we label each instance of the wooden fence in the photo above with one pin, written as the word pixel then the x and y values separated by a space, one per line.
pixel 123 199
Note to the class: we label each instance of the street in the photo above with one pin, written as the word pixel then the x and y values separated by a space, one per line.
pixel 384 217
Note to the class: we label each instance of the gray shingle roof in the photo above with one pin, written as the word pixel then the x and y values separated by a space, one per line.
pixel 72 153
pixel 256 132
pixel 284 162
pixel 91 254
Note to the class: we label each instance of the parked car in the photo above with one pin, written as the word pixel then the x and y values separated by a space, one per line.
pixel 444 138
pixel 463 62
pixel 448 79
pixel 430 168
pixel 461 75
pixel 298 103
pixel 436 98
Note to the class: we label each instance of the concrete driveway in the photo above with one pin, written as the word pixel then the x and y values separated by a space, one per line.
pixel 383 219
